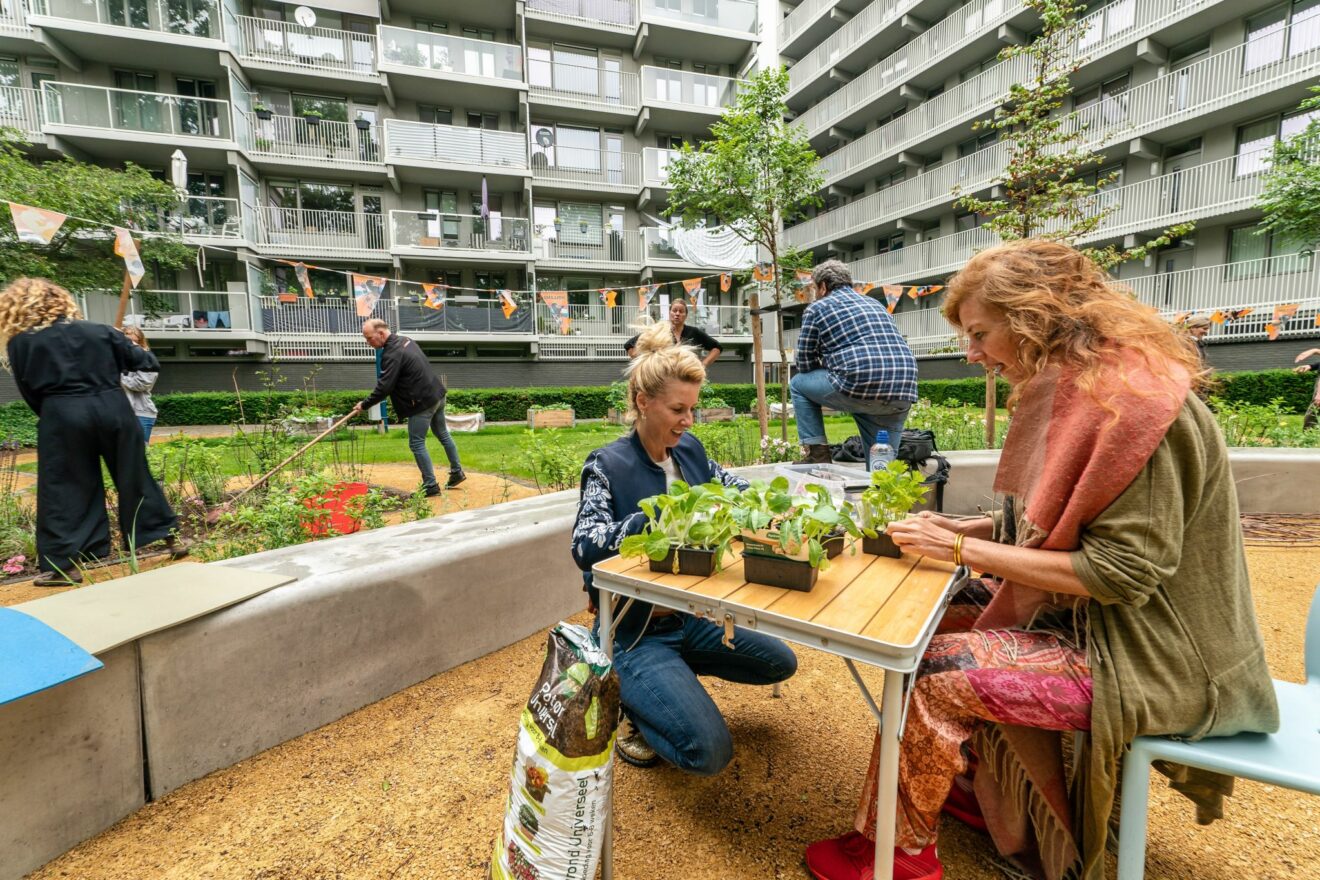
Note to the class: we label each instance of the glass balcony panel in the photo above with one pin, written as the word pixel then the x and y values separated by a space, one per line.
pixel 193 18
pixel 608 12
pixel 161 312
pixel 701 90
pixel 127 110
pixel 322 48
pixel 655 163
pixel 728 15
pixel 445 54
pixel 320 230
pixel 439 231
pixel 293 137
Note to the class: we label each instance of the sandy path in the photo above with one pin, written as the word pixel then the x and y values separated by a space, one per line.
pixel 414 786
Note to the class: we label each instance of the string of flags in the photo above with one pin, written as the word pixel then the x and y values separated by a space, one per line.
pixel 1282 314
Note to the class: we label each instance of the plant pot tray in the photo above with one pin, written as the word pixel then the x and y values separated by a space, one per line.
pixel 779 571
pixel 699 563
pixel 881 545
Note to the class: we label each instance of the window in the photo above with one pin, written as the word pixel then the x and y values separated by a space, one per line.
pixel 429 26
pixel 885 181
pixel 450 277
pixel 489 282
pixel 1256 139
pixel 1248 251
pixel 473 33
pixel 489 121
pixel 1282 32
pixel 9 75
pixel 575 147
pixel 435 115
pixel 1107 97
pixel 975 144
pixel 889 243
pixel 964 222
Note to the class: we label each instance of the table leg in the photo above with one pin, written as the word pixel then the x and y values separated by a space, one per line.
pixel 606 634
pixel 891 702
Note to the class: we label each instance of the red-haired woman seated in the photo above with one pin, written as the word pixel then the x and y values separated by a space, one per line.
pixel 1122 604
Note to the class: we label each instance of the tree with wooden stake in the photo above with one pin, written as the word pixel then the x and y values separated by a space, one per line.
pixel 1044 190
pixel 755 174
pixel 1291 200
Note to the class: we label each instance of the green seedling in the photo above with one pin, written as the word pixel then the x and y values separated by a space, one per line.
pixel 693 517
pixel 893 492
pixel 777 522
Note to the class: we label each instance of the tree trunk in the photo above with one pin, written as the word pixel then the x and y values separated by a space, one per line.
pixel 779 341
pixel 758 362
pixel 991 391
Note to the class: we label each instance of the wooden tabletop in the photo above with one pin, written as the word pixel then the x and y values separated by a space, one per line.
pixel 886 600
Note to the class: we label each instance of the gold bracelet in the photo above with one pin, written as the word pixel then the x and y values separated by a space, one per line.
pixel 957 548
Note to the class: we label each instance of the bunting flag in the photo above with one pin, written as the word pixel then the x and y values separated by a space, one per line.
pixel 508 303
pixel 1239 314
pixel 866 288
pixel 1216 317
pixel 1272 331
pixel 367 291
pixel 803 276
pixel 1181 317
pixel 300 270
pixel 893 293
pixel 35 225
pixel 557 302
pixel 930 289
pixel 699 298
pixel 126 248
pixel 914 292
pixel 691 284
pixel 664 303
pixel 436 294
pixel 763 272
pixel 1284 312
pixel 1317 319
pixel 646 293
pixel 726 281
pixel 609 297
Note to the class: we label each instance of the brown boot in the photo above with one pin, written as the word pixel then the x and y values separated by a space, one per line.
pixel 818 453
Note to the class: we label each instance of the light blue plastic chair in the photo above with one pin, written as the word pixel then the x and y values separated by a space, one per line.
pixel 1289 758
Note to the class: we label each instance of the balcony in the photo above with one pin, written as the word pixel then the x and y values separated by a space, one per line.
pixel 477 73
pixel 296 140
pixel 302 232
pixel 427 153
pixel 203 219
pixel 663 249
pixel 680 100
pixel 432 234
pixel 595 93
pixel 655 164
pixel 573 169
pixel 13 20
pixel 718 31
pixel 316 51
pixel 869 35
pixel 166 313
pixel 597 332
pixel 21 109
pixel 929 259
pixel 145 126
pixel 615 17
pixel 597 249
pixel 173 31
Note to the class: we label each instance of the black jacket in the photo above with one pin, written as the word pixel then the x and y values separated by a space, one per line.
pixel 406 378
pixel 73 358
pixel 693 336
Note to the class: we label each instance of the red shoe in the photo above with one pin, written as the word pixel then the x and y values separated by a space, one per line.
pixel 962 804
pixel 852 857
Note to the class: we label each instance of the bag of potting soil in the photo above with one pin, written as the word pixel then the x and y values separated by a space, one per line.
pixel 563 768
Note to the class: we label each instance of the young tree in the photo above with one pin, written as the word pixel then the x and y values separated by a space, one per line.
pixel 1291 200
pixel 81 256
pixel 755 174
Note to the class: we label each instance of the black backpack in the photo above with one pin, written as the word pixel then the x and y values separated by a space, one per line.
pixel 917 449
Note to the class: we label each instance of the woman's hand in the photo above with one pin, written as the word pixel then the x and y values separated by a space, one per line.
pixel 926 534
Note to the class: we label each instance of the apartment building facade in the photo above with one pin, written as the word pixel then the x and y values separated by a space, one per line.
pixel 514 144
pixel 1182 98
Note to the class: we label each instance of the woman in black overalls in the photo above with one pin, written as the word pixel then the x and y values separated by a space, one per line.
pixel 68 371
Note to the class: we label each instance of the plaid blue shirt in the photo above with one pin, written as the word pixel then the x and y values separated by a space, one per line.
pixel 855 339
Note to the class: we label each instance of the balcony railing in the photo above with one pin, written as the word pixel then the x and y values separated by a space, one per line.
pixel 802 15
pixel 582 86
pixel 201 217
pixel 655 162
pixel 590 168
pixel 133 111
pixel 453 145
pixel 927 259
pixel 659 246
pixel 610 13
pixel 599 246
pixel 939 42
pixel 701 91
pixel 320 316
pixel 1213 82
pixel 312 230
pixel 185 18
pixel 21 109
pixel 313 48
pixel 160 312
pixel 443 55
pixel 727 15
pixel 294 137
pixel 13 17
pixel 857 31
pixel 597 321
pixel 438 231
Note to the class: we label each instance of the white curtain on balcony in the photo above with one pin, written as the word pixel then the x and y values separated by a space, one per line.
pixel 718 246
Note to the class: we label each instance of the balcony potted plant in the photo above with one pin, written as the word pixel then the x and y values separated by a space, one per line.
pixel 262 111
pixel 788 539
pixel 554 415
pixel 688 529
pixel 894 490
pixel 263 145
pixel 313 117
pixel 362 123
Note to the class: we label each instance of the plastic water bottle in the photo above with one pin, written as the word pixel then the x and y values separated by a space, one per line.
pixel 881 453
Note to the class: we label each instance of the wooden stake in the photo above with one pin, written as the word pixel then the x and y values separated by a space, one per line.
pixel 991 390
pixel 124 294
pixel 758 364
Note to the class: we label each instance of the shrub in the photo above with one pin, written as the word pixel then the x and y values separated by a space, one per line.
pixel 18 423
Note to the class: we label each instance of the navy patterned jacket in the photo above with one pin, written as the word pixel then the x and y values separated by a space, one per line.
pixel 614 479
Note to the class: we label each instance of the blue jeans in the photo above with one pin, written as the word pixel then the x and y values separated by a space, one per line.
pixel 434 419
pixel 147 423
pixel 811 391
pixel 660 692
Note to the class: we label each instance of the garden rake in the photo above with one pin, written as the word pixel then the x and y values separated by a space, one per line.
pixel 213 516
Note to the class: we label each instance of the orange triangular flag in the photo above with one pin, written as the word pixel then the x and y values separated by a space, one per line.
pixel 913 292
pixel 1272 331
pixel 1285 311
pixel 35 225
pixel 866 288
pixel 126 248
pixel 508 303
pixel 1216 317
pixel 726 281
pixel 691 284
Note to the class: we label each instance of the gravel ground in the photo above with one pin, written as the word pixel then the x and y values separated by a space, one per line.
pixel 414 787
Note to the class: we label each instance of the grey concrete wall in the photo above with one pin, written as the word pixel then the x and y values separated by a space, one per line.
pixel 72 759
pixel 370 615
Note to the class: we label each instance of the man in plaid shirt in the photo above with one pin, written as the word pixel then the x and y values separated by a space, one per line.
pixel 850 357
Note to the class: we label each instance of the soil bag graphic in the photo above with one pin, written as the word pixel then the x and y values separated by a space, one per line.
pixel 563 768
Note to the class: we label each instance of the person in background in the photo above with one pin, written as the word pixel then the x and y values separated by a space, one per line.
pixel 659 653
pixel 850 357
pixel 1122 605
pixel 1312 417
pixel 418 395
pixel 1198 327
pixel 68 370
pixel 137 384
pixel 684 335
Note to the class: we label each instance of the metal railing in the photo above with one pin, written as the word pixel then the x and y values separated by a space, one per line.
pixel 609 13
pixel 802 15
pixel 128 110
pixel 590 168
pixel 453 145
pixel 582 86
pixel 324 315
pixel 13 16
pixel 201 217
pixel 313 48
pixel 728 15
pixel 655 162
pixel 857 31
pixel 325 140
pixel 605 246
pixel 984 91
pixel 928 258
pixel 661 85
pixel 441 231
pixel 21 109
pixel 598 321
pixel 185 18
pixel 315 230
pixel 447 55
pixel 659 246
pixel 163 311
